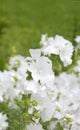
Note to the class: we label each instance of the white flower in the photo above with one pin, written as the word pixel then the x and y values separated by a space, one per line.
pixel 3 123
pixel 77 39
pixel 34 127
pixel 41 68
pixel 45 106
pixel 59 46
pixel 8 85
pixel 65 53
pixel 16 61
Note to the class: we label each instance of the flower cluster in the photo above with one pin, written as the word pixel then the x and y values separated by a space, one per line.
pixel 47 101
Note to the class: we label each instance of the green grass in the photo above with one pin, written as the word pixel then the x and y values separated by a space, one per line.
pixel 23 21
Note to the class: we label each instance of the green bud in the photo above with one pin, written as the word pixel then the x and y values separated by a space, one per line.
pixel 34 103
pixel 26 116
pixel 68 119
pixel 36 115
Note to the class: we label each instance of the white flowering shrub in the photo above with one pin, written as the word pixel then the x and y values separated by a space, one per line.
pixel 34 96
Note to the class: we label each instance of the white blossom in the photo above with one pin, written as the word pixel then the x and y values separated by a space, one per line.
pixel 16 61
pixel 3 122
pixel 59 46
pixel 41 68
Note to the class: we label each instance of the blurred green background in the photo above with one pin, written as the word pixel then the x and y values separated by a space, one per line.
pixel 23 21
